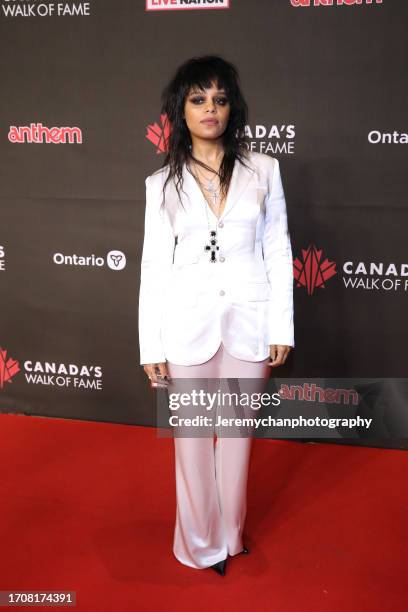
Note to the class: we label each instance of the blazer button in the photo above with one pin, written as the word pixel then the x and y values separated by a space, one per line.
pixel 222 292
pixel 222 258
pixel 221 224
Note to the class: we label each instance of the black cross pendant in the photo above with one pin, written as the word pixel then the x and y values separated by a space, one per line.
pixel 213 247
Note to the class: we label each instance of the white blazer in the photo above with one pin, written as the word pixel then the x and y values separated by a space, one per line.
pixel 188 305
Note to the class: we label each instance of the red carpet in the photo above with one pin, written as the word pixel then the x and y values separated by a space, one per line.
pixel 89 507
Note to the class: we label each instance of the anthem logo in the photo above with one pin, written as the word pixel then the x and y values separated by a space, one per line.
pixel 9 367
pixel 312 392
pixel 180 5
pixel 297 3
pixel 313 271
pixel 159 134
pixel 39 133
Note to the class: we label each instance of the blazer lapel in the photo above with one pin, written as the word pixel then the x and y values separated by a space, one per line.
pixel 240 179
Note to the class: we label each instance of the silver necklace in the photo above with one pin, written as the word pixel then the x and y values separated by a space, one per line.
pixel 213 246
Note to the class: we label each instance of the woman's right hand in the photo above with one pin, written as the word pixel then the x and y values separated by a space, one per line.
pixel 157 374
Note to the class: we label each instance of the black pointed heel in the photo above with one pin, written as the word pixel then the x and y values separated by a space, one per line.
pixel 245 551
pixel 220 567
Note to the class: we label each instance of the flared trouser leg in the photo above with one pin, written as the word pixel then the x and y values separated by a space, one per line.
pixel 199 536
pixel 232 457
pixel 211 478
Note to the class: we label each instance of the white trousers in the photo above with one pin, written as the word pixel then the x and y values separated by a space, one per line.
pixel 211 478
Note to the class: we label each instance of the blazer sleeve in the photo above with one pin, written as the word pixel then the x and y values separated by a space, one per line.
pixel 277 252
pixel 157 258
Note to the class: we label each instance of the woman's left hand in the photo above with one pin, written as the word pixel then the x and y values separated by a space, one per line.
pixel 278 353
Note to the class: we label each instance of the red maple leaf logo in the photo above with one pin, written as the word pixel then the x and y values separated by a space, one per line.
pixel 159 135
pixel 8 368
pixel 312 272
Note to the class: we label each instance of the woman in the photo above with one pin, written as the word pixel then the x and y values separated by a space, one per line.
pixel 216 292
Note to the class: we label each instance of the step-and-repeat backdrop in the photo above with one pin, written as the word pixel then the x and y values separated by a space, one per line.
pixel 325 81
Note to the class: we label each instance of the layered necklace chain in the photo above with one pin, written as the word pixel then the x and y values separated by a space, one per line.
pixel 214 194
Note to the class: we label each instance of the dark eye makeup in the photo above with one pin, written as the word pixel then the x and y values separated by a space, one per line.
pixel 196 99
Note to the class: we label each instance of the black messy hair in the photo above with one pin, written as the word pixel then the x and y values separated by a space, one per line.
pixel 200 73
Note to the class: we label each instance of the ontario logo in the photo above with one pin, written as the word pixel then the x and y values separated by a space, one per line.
pixel 115 260
pixel 9 367
pixel 313 271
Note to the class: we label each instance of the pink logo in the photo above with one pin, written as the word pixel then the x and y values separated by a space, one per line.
pixel 8 368
pixel 297 3
pixel 159 134
pixel 37 132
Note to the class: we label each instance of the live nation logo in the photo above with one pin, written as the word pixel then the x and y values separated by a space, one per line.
pixel 314 269
pixel 50 373
pixel 174 5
